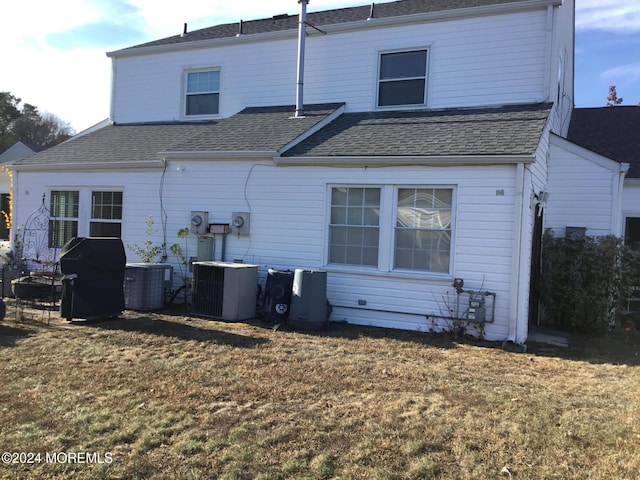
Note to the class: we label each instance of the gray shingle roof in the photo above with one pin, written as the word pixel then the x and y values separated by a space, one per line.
pixel 613 132
pixel 258 129
pixel 510 130
pixel 328 17
pixel 117 144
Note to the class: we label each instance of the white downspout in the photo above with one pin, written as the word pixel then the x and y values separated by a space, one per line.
pixel 301 46
pixel 518 225
pixel 617 185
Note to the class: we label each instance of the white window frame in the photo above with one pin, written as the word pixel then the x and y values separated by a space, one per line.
pixel 380 54
pixel 626 217
pixel 387 228
pixel 56 218
pixel 365 226
pixel 93 219
pixel 396 191
pixel 85 217
pixel 186 93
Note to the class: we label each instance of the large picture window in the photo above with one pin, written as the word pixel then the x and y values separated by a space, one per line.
pixel 392 228
pixel 203 93
pixel 403 78
pixel 354 226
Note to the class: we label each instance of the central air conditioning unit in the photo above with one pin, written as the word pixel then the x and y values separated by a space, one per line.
pixel 225 291
pixel 145 285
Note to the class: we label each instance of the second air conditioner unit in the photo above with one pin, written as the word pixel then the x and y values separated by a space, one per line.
pixel 225 291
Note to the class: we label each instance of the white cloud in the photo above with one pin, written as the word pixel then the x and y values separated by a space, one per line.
pixel 610 15
pixel 623 75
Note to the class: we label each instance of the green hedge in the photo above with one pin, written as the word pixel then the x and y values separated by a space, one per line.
pixel 583 280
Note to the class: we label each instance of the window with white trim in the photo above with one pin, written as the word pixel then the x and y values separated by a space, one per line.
pixel 354 226
pixel 106 214
pixel 423 229
pixel 402 78
pixel 632 232
pixel 84 213
pixel 392 228
pixel 64 210
pixel 202 93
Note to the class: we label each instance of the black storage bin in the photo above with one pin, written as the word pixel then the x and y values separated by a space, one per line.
pixel 277 296
pixel 93 278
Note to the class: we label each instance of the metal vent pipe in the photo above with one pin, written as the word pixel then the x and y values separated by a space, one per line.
pixel 301 45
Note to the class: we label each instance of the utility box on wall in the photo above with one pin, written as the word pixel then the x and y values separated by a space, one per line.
pixel 199 222
pixel 240 223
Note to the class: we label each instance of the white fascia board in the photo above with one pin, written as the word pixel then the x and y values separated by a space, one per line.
pixel 391 161
pixel 82 167
pixel 588 155
pixel 218 155
pixel 500 9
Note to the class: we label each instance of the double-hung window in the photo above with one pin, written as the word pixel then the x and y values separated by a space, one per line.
pixel 63 225
pixel 106 214
pixel 392 228
pixel 403 78
pixel 84 213
pixel 202 93
pixel 423 229
pixel 354 230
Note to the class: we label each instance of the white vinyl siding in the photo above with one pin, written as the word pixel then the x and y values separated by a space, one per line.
pixel 486 60
pixel 290 208
pixel 583 190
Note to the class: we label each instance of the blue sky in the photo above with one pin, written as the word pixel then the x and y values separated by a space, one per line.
pixel 54 52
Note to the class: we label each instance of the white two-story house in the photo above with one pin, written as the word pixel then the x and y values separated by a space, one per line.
pixel 398 146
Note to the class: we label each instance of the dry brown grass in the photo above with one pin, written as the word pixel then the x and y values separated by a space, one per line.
pixel 169 396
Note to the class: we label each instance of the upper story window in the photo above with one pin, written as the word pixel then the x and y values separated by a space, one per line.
pixel 203 93
pixel 403 78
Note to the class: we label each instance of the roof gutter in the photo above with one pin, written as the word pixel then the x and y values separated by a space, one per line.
pixel 394 161
pixel 82 167
pixel 454 14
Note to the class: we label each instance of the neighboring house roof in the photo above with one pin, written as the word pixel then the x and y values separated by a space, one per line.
pixel 19 150
pixel 613 132
pixel 329 17
pixel 323 131
pixel 509 130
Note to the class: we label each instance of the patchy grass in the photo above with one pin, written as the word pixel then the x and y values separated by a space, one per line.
pixel 167 396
